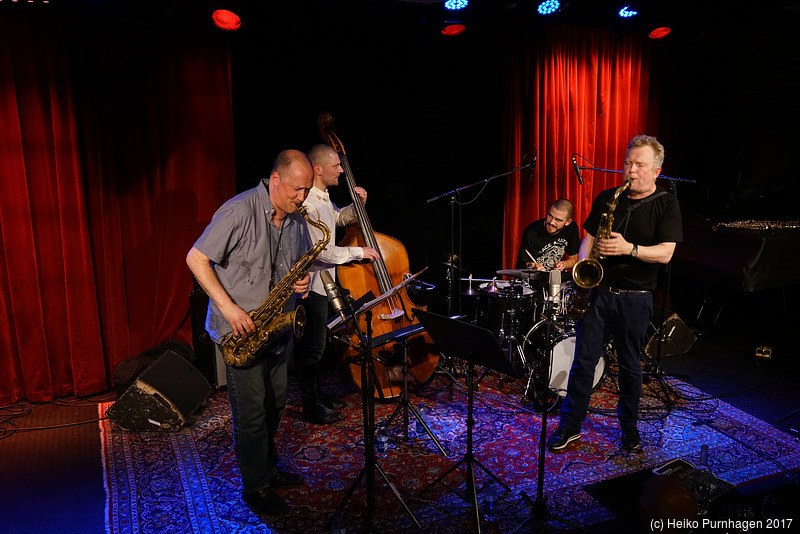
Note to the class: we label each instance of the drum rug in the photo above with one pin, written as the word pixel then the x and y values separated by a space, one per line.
pixel 187 481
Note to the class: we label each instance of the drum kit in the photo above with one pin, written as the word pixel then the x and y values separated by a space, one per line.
pixel 529 315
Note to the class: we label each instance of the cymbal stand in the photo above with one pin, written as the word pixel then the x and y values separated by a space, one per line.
pixel 368 410
pixel 405 405
pixel 543 394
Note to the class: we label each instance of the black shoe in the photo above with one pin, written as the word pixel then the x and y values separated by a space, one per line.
pixel 630 439
pixel 560 437
pixel 322 415
pixel 284 480
pixel 266 502
pixel 332 402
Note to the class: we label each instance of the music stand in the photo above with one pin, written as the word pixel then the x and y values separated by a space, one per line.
pixel 400 337
pixel 476 346
pixel 368 409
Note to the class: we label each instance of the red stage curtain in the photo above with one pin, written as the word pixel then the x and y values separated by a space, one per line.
pixel 117 147
pixel 569 89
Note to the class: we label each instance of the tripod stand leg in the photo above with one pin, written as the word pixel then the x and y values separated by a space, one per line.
pixel 540 505
pixel 397 495
pixel 368 411
pixel 405 405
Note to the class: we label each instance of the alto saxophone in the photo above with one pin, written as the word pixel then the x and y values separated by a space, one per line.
pixel 270 322
pixel 588 272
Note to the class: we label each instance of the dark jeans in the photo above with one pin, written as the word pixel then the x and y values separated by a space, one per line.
pixel 257 395
pixel 625 317
pixel 312 346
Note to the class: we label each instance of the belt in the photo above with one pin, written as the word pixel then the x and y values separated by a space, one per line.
pixel 617 291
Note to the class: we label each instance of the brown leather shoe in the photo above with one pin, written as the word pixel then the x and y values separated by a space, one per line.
pixel 266 502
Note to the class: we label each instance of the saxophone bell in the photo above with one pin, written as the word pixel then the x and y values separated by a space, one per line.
pixel 587 273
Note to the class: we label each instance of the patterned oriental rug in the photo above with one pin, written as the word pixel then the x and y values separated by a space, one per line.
pixel 187 481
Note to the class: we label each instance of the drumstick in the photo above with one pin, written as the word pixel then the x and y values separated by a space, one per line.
pixel 528 252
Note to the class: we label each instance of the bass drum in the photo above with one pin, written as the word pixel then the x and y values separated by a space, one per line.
pixel 536 353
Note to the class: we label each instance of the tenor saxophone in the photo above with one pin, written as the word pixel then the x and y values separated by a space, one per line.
pixel 270 322
pixel 588 272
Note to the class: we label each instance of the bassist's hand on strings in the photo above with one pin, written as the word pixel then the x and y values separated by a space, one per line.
pixel 370 254
pixel 362 194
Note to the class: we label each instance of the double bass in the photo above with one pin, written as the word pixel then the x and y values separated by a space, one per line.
pixel 378 277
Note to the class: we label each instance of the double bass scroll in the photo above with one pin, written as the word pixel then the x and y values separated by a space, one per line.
pixel 379 277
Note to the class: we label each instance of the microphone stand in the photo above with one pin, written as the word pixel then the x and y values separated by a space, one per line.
pixel 579 168
pixel 452 196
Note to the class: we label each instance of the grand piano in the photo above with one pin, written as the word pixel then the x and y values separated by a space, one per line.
pixel 747 266
pixel 743 255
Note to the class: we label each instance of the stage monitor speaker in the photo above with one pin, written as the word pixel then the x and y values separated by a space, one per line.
pixel 163 397
pixel 677 339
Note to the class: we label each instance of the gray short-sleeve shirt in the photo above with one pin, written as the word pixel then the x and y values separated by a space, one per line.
pixel 247 249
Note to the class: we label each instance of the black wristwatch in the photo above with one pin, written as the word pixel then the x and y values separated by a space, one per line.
pixel 635 251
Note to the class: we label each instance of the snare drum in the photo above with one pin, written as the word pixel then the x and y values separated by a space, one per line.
pixel 537 355
pixel 505 307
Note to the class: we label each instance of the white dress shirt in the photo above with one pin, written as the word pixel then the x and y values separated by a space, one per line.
pixel 320 207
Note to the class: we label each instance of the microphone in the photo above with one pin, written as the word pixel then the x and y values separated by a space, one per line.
pixel 334 295
pixel 533 165
pixel 577 169
pixel 555 286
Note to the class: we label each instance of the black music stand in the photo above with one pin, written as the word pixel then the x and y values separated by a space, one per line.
pixel 477 347
pixel 400 337
pixel 368 409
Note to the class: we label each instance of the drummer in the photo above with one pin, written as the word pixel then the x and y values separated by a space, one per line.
pixel 551 243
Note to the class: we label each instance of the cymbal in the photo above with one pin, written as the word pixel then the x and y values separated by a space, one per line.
pixel 527 274
pixel 532 274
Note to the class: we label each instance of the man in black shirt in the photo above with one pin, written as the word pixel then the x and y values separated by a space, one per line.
pixel 646 228
pixel 546 241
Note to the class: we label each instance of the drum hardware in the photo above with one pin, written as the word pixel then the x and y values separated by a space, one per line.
pixel 506 307
pixel 469 292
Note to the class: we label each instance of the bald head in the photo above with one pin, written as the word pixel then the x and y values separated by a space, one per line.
pixel 290 181
pixel 327 166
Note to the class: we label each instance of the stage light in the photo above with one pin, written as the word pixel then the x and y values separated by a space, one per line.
pixel 548 7
pixel 455 5
pixel 660 33
pixel 226 20
pixel 626 12
pixel 451 30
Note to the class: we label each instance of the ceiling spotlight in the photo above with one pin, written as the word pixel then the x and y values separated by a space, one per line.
pixel 548 7
pixel 226 20
pixel 455 5
pixel 626 12
pixel 451 30
pixel 660 33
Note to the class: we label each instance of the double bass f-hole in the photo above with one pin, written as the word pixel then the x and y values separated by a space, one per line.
pixel 379 277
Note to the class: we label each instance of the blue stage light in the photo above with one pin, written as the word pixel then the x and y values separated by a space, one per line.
pixel 455 5
pixel 626 12
pixel 548 7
